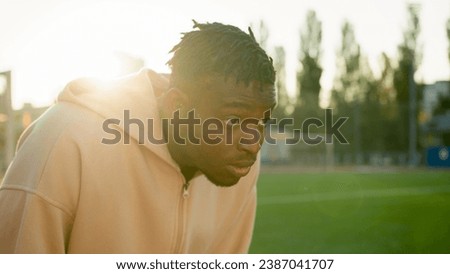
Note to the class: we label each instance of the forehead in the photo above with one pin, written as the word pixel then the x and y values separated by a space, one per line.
pixel 227 94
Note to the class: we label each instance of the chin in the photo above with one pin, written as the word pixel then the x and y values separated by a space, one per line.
pixel 224 182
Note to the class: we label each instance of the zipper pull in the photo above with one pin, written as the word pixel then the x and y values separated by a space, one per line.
pixel 185 190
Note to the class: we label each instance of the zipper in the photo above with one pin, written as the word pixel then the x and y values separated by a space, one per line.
pixel 185 190
pixel 181 223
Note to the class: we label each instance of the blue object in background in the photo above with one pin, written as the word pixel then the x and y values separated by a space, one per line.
pixel 438 156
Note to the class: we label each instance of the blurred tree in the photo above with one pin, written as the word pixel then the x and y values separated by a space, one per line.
pixel 261 33
pixel 387 92
pixel 371 117
pixel 347 92
pixel 448 36
pixel 348 60
pixel 409 57
pixel 368 101
pixel 284 107
pixel 308 78
pixel 388 105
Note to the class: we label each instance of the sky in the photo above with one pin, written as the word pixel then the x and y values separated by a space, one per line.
pixel 48 43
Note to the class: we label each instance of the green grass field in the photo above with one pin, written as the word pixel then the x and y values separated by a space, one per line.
pixel 353 213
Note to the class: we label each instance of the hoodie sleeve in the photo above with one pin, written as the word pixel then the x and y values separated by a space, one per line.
pixel 39 194
pixel 31 224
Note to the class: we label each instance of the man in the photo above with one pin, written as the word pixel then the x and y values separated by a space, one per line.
pixel 145 164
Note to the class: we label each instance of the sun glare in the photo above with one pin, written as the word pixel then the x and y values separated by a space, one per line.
pixel 70 44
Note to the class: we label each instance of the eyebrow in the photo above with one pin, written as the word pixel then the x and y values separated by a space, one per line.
pixel 236 105
pixel 242 104
pixel 242 108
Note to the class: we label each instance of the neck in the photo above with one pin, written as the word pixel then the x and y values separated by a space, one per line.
pixel 188 173
pixel 181 159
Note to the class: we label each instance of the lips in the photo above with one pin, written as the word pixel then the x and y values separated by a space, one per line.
pixel 240 169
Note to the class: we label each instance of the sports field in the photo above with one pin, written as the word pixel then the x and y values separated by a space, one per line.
pixel 406 212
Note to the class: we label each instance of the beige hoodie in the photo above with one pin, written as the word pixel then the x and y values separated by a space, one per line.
pixel 66 192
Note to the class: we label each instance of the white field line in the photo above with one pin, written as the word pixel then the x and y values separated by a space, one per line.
pixel 371 193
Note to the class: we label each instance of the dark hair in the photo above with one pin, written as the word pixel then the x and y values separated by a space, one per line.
pixel 215 49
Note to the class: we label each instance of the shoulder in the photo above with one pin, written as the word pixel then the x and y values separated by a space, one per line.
pixel 63 121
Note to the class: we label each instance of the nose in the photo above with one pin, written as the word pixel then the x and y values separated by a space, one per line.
pixel 250 148
pixel 252 142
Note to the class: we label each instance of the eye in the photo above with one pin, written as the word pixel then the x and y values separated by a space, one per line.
pixel 265 121
pixel 233 121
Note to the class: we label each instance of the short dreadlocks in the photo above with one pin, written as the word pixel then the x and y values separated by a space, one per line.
pixel 221 50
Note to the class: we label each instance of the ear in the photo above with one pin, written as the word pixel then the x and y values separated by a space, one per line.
pixel 175 99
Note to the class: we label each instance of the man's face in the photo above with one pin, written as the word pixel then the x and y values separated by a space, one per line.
pixel 242 110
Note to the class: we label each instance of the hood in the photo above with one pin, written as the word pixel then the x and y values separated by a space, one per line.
pixel 111 100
